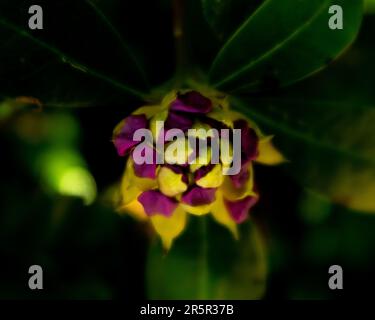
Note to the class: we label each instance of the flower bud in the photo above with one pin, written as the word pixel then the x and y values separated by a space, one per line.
pixel 196 157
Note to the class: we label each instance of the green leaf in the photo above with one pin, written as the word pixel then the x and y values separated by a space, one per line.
pixel 324 127
pixel 207 263
pixel 330 147
pixel 283 42
pixel 225 16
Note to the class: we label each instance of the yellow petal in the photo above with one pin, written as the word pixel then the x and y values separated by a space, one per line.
pixel 213 179
pixel 222 216
pixel 170 183
pixel 135 209
pixel 201 130
pixel 198 210
pixel 149 111
pixel 226 153
pixel 169 98
pixel 201 160
pixel 232 193
pixel 268 154
pixel 132 186
pixel 161 116
pixel 223 116
pixel 178 151
pixel 169 228
pixel 129 191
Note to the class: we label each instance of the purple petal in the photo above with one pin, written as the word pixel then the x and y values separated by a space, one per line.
pixel 240 179
pixel 146 170
pixel 192 102
pixel 198 196
pixel 178 120
pixel 249 140
pixel 175 168
pixel 154 202
pixel 123 140
pixel 213 123
pixel 239 210
pixel 203 171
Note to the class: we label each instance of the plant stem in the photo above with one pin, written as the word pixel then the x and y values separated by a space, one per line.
pixel 179 36
pixel 203 262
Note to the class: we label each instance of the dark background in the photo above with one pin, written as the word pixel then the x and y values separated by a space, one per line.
pixel 91 252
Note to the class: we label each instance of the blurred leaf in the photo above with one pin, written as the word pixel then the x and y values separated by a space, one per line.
pixel 6 109
pixel 65 172
pixel 207 263
pixel 50 142
pixel 314 208
pixel 344 236
pixel 331 147
pixel 370 6
pixel 283 42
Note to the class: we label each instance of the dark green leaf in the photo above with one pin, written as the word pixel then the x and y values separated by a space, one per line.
pixel 225 16
pixel 330 146
pixel 324 127
pixel 282 42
